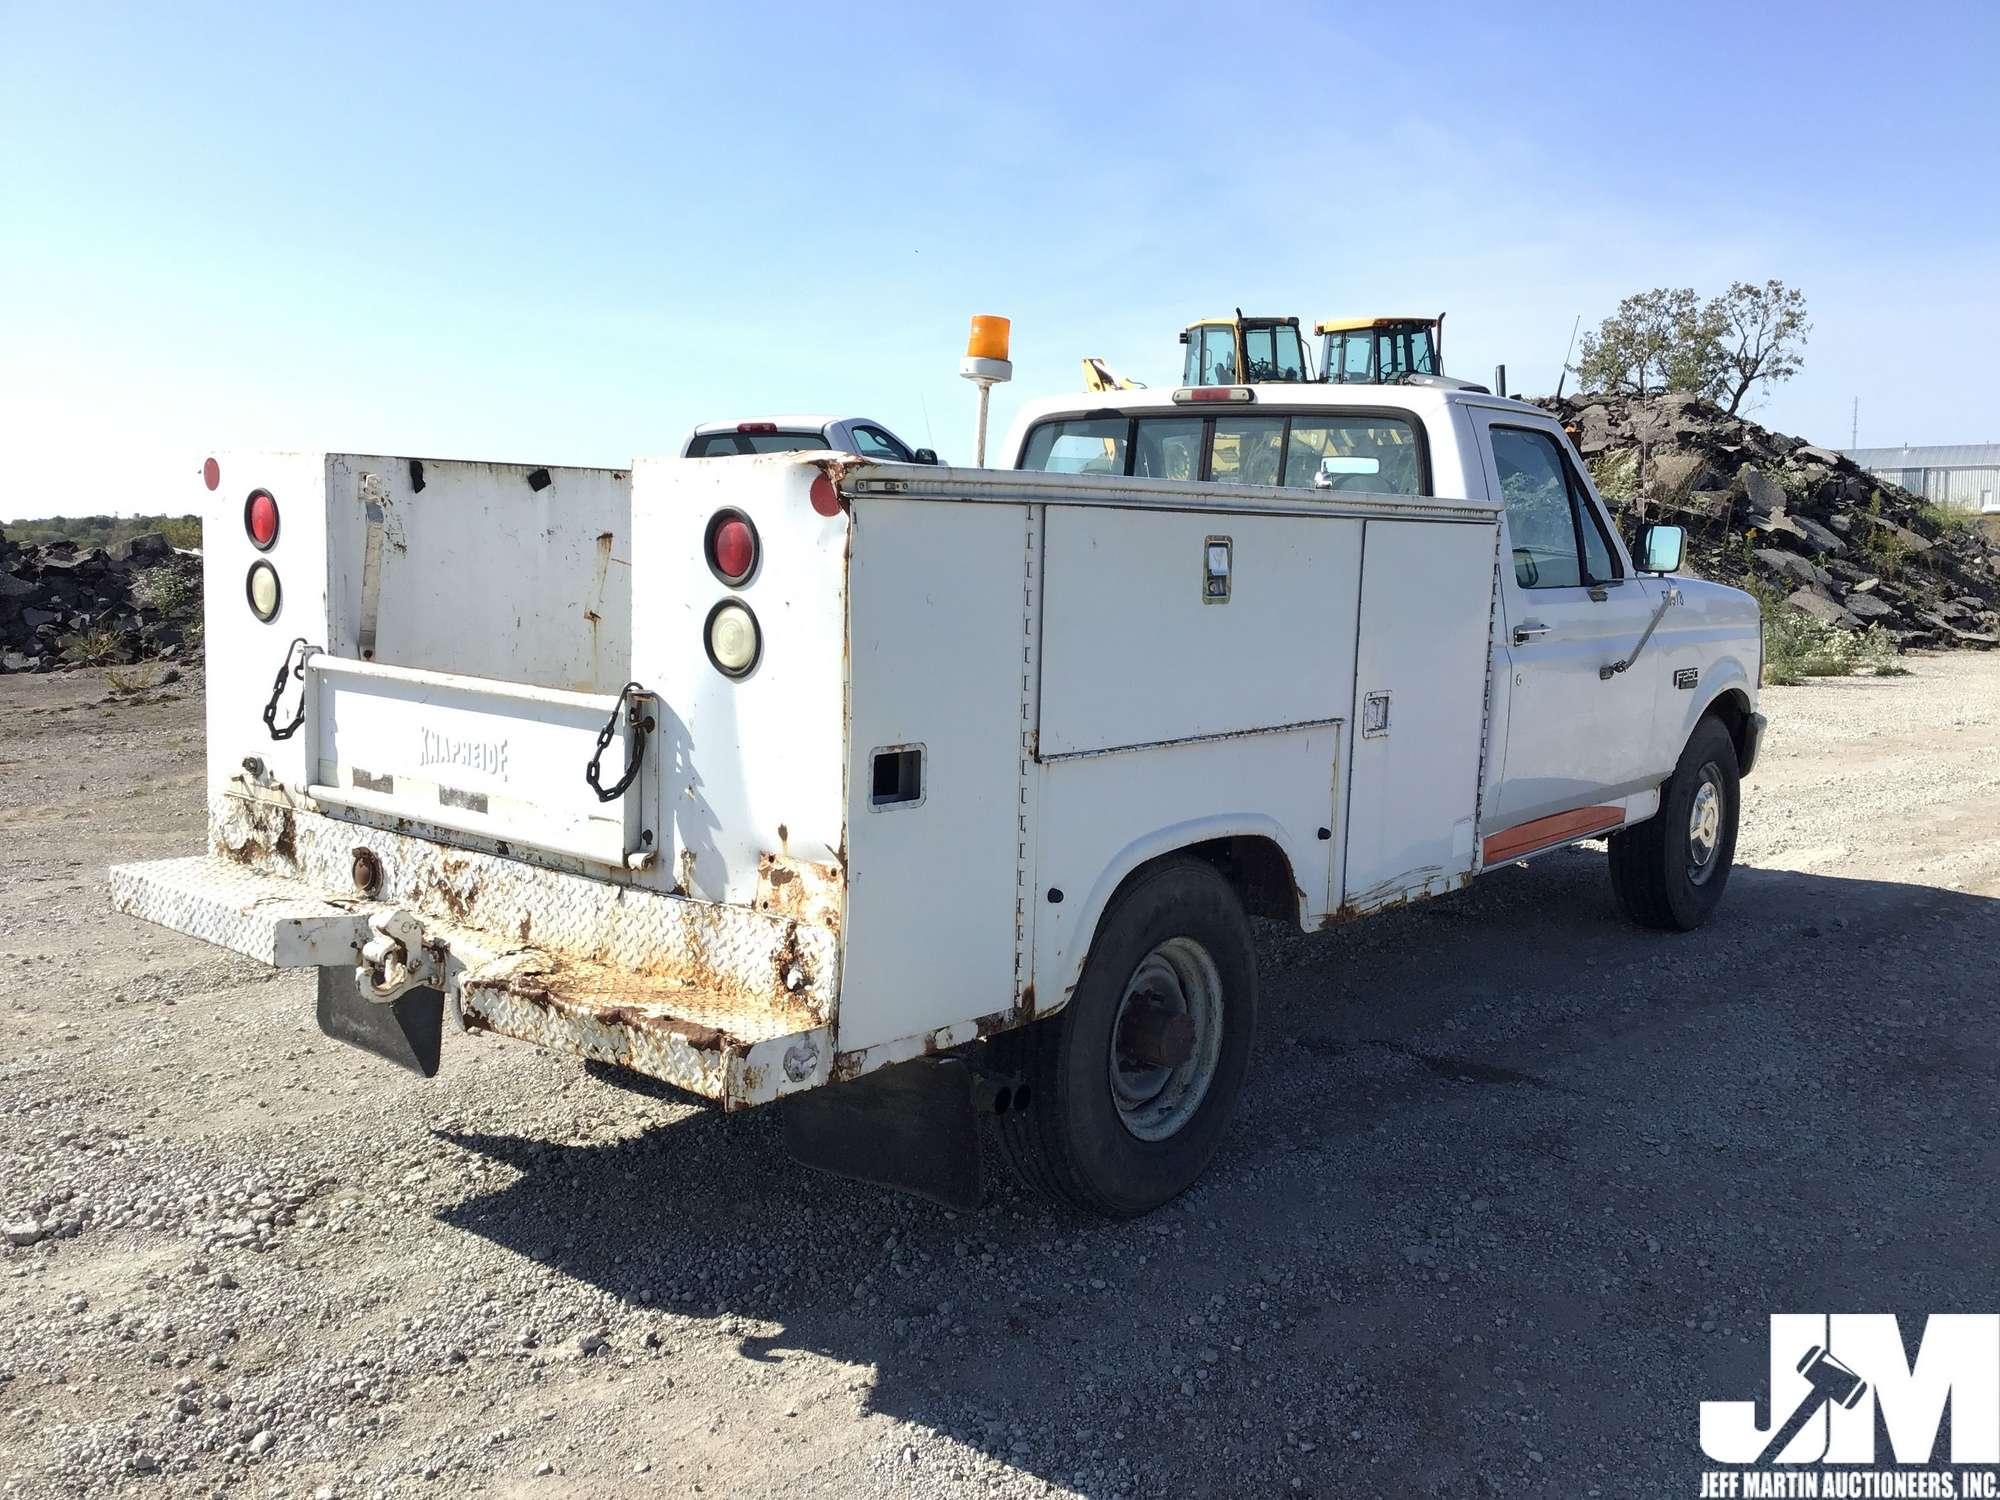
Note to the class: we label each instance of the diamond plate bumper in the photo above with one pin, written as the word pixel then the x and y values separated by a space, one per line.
pixel 272 920
pixel 724 1002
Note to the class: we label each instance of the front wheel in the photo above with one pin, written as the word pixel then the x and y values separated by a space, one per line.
pixel 1133 1082
pixel 1669 872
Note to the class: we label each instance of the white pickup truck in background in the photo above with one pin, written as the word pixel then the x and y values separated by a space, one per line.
pixel 893 792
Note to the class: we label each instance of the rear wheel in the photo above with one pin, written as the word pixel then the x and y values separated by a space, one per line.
pixel 1669 872
pixel 1133 1082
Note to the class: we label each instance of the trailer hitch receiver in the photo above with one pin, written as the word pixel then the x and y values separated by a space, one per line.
pixel 396 960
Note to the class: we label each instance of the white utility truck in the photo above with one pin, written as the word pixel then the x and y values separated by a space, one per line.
pixel 893 793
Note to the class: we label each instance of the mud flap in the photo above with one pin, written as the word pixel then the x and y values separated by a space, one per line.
pixel 409 1031
pixel 911 1127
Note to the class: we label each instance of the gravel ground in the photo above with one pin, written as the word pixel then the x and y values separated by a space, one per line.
pixel 1515 1186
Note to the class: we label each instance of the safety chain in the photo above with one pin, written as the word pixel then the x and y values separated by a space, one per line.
pixel 641 726
pixel 286 669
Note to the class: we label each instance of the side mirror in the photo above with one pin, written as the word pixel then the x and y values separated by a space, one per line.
pixel 1660 548
pixel 924 456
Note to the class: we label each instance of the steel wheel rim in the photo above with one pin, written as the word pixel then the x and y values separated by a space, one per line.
pixel 1705 825
pixel 1155 1101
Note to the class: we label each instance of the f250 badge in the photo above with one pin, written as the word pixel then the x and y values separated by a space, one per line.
pixel 1686 677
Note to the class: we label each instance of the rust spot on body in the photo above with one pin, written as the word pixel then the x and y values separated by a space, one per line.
pixel 448 887
pixel 797 888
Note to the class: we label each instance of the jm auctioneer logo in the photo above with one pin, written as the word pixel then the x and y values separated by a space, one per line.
pixel 1842 1390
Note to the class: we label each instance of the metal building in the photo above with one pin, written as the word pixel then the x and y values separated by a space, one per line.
pixel 1962 474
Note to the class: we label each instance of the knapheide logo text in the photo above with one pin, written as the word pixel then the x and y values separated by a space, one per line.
pixel 1851 1415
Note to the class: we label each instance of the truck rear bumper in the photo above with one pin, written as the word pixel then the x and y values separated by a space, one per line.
pixel 725 1042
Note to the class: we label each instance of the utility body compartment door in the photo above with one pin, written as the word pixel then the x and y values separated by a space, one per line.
pixel 1419 709
pixel 1147 670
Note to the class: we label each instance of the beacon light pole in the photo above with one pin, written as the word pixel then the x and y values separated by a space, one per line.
pixel 985 365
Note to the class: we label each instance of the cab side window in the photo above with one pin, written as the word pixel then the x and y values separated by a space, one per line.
pixel 1218 356
pixel 1085 445
pixel 1354 355
pixel 872 442
pixel 1553 529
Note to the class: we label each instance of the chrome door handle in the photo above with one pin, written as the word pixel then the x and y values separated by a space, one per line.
pixel 1524 633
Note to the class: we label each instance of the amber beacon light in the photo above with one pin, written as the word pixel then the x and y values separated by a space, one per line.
pixel 986 365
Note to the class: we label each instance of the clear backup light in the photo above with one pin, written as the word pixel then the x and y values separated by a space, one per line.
pixel 261 588
pixel 733 639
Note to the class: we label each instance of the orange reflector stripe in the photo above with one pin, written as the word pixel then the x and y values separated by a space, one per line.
pixel 1560 828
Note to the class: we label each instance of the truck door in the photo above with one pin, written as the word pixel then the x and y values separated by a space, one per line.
pixel 1572 606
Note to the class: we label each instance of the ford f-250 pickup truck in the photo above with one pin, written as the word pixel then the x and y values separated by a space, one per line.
pixel 891 794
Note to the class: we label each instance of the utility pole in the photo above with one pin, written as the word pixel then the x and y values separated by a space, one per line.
pixel 1854 429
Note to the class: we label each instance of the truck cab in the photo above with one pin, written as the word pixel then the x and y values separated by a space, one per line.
pixel 1225 351
pixel 1380 351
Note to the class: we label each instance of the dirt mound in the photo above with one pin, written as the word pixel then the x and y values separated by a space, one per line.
pixel 64 606
pixel 1777 514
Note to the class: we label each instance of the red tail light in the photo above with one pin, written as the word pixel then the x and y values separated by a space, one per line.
pixel 260 519
pixel 756 426
pixel 732 547
pixel 211 473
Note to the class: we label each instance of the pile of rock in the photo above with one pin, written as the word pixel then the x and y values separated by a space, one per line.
pixel 62 606
pixel 1762 508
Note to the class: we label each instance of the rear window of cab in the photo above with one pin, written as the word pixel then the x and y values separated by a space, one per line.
pixel 1329 451
pixel 736 444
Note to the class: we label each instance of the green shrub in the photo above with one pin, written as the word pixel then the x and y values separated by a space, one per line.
pixel 91 647
pixel 1798 489
pixel 135 679
pixel 1949 520
pixel 1616 474
pixel 1796 646
pixel 105 531
pixel 169 590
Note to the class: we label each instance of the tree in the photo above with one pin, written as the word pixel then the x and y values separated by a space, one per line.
pixel 1758 332
pixel 1669 340
pixel 1656 341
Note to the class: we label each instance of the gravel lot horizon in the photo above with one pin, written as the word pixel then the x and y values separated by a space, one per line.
pixel 1513 1188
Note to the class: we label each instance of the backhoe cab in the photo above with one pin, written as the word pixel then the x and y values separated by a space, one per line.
pixel 1380 351
pixel 1244 351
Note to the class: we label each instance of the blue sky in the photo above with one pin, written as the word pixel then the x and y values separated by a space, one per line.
pixel 567 233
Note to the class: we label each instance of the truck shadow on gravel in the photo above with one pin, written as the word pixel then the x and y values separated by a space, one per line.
pixel 1514 1186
